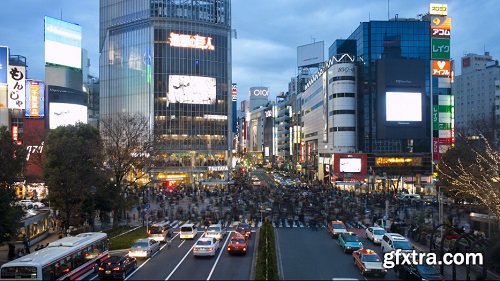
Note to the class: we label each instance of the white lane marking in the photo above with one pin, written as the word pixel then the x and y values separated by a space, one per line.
pixel 185 256
pixel 218 257
pixel 280 269
pixel 183 241
pixel 94 277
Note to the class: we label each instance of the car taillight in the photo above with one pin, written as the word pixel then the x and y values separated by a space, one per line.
pixel 245 249
pixel 229 248
pixel 101 268
pixel 116 268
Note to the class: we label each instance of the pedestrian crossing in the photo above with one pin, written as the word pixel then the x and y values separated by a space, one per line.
pixel 286 224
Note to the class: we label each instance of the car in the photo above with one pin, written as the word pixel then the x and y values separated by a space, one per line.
pixel 334 228
pixel 216 231
pixel 206 247
pixel 244 229
pixel 25 203
pixel 237 244
pixel 160 231
pixel 38 205
pixel 418 272
pixel 144 248
pixel 374 234
pixel 410 197
pixel 393 241
pixel 116 267
pixel 368 262
pixel 188 231
pixel 349 242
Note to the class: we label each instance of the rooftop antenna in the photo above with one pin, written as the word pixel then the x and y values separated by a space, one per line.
pixel 61 14
pixel 388 17
pixel 313 39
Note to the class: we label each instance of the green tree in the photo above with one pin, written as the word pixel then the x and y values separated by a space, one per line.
pixel 73 171
pixel 12 160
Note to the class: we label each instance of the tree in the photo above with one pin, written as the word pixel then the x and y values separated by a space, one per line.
pixel 129 154
pixel 12 159
pixel 73 169
pixel 472 169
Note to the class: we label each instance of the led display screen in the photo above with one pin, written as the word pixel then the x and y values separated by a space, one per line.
pixel 63 43
pixel 403 106
pixel 191 89
pixel 63 114
pixel 350 165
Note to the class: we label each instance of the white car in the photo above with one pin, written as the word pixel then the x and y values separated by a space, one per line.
pixel 25 203
pixel 38 205
pixel 215 231
pixel 393 241
pixel 206 247
pixel 144 248
pixel 375 234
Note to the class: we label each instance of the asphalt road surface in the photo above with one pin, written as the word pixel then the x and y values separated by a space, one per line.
pixel 176 262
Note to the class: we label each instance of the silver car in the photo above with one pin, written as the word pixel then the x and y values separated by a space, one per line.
pixel 206 247
pixel 215 231
pixel 144 248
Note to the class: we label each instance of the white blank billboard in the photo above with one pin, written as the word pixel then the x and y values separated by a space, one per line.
pixel 310 54
pixel 191 89
pixel 63 43
pixel 403 106
pixel 350 165
pixel 63 114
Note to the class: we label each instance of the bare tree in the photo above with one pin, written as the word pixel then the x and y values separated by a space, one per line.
pixel 128 149
pixel 472 169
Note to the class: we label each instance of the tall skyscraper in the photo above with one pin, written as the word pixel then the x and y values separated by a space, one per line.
pixel 169 60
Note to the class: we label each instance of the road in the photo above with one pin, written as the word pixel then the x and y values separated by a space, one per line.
pixel 176 262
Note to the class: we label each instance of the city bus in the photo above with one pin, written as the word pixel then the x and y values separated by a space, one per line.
pixel 69 258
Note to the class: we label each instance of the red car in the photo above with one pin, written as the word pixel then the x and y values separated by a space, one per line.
pixel 244 229
pixel 237 244
pixel 369 262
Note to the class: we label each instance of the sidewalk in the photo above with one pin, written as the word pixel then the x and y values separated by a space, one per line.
pixel 4 249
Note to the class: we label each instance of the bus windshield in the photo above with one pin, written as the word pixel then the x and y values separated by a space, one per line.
pixel 19 272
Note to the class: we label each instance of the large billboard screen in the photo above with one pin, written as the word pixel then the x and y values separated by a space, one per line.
pixel 191 89
pixel 63 114
pixel 35 99
pixel 310 54
pixel 4 62
pixel 403 106
pixel 350 165
pixel 63 43
pixel 16 81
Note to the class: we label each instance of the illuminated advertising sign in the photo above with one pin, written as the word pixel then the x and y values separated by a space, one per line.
pixel 63 114
pixel 35 98
pixel 259 92
pixel 440 27
pixel 398 161
pixel 350 165
pixel 438 9
pixel 403 106
pixel 441 68
pixel 63 43
pixel 190 41
pixel 15 133
pixel 440 49
pixel 4 62
pixel 234 92
pixel 16 80
pixel 191 89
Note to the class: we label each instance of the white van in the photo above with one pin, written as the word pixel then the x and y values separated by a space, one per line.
pixel 160 231
pixel 412 197
pixel 188 231
pixel 393 241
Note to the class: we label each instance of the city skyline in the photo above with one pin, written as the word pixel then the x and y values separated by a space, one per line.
pixel 264 51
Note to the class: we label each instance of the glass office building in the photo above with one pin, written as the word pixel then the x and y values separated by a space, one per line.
pixel 170 60
pixel 395 57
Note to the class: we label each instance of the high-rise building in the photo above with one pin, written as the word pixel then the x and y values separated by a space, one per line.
pixel 474 90
pixel 170 60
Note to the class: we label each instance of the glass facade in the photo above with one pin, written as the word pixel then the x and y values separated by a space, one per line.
pixel 171 61
pixel 403 38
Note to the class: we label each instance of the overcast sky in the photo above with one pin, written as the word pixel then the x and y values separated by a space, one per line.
pixel 268 31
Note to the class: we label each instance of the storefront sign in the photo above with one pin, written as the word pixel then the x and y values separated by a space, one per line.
pixel 398 161
pixel 190 41
pixel 217 168
pixel 438 9
pixel 441 68
pixel 440 49
pixel 16 87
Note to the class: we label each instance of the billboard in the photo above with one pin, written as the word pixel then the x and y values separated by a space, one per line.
pixel 63 114
pixel 259 92
pixel 438 9
pixel 4 62
pixel 16 80
pixel 440 49
pixel 403 106
pixel 63 43
pixel 350 165
pixel 441 27
pixel 34 136
pixel 35 99
pixel 441 68
pixel 234 92
pixel 191 89
pixel 310 54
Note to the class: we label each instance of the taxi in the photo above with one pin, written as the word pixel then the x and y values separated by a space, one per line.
pixel 238 244
pixel 369 262
pixel 335 228
pixel 244 229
